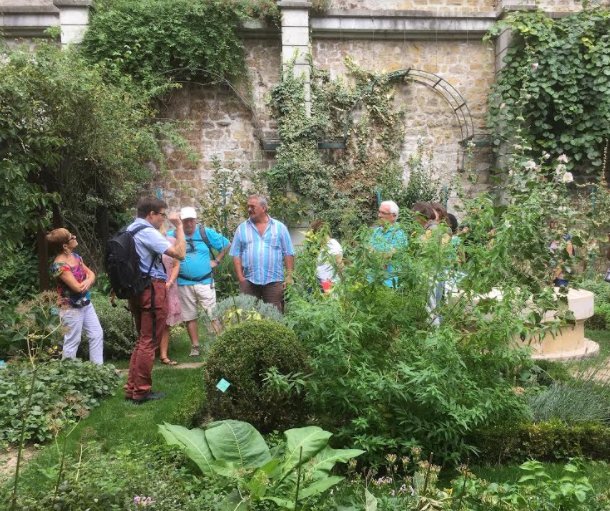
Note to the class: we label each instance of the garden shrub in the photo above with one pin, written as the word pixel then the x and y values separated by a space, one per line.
pixel 236 309
pixel 63 393
pixel 98 480
pixel 31 327
pixel 545 441
pixel 120 333
pixel 242 355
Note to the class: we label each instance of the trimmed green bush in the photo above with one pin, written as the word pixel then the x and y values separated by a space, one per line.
pixel 243 355
pixel 119 329
pixel 545 441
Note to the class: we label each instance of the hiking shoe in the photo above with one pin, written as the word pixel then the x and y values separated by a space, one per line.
pixel 151 396
pixel 194 351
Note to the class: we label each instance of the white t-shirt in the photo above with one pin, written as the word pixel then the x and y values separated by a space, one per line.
pixel 325 269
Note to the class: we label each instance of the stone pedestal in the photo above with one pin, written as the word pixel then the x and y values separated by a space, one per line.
pixel 570 342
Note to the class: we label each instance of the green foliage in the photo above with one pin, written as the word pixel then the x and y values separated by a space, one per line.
pixel 536 489
pixel 222 204
pixel 242 355
pixel 100 480
pixel 31 328
pixel 63 393
pixel 18 276
pixel 383 374
pixel 546 441
pixel 235 309
pixel 178 40
pixel 555 87
pixel 236 451
pixel 74 147
pixel 340 186
pixel 120 334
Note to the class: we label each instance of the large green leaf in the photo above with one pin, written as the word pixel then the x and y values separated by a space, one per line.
pixel 192 441
pixel 371 501
pixel 236 444
pixel 319 486
pixel 324 461
pixel 282 503
pixel 303 444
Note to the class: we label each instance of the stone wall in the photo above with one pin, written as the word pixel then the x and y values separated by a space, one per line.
pixel 429 119
pixel 222 122
pixel 441 6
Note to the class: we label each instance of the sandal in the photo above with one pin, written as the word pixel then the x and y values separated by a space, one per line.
pixel 168 362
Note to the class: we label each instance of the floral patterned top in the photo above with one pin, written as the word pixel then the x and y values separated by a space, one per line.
pixel 67 297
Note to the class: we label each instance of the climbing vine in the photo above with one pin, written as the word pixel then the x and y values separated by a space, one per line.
pixel 555 87
pixel 158 40
pixel 314 178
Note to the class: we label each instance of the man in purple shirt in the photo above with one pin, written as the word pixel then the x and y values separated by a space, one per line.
pixel 261 248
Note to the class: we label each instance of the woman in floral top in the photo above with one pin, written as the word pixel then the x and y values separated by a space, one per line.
pixel 74 279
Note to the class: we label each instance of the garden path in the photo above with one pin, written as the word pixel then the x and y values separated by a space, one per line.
pixel 8 460
pixel 181 365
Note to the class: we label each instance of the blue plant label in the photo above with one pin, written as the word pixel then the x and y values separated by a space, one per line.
pixel 223 385
pixel 2 364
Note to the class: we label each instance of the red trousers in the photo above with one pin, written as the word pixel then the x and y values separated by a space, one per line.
pixel 139 379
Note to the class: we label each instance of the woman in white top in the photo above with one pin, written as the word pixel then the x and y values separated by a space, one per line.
pixel 330 258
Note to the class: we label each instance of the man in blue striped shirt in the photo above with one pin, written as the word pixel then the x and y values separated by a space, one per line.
pixel 261 248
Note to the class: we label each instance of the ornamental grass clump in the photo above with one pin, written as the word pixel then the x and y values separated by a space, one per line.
pixel 244 355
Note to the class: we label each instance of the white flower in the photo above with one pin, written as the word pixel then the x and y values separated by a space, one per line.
pixel 560 169
pixel 546 156
pixel 530 165
pixel 567 178
pixel 518 147
pixel 502 106
pixel 562 158
pixel 535 67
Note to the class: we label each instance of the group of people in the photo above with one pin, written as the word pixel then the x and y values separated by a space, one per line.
pixel 180 267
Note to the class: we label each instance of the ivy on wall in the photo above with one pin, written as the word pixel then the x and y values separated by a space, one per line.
pixel 158 40
pixel 340 185
pixel 555 86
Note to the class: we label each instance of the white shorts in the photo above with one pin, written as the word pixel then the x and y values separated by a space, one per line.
pixel 193 296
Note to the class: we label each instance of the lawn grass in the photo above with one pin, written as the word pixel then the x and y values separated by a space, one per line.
pixel 119 424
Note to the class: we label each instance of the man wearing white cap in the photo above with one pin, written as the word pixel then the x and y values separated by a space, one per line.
pixel 195 280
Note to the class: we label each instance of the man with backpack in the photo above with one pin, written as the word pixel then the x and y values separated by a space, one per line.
pixel 196 280
pixel 148 305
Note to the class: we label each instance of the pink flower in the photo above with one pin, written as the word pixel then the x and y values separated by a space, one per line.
pixel 562 158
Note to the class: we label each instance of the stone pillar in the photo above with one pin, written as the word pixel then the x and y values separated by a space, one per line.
pixel 73 19
pixel 504 40
pixel 296 42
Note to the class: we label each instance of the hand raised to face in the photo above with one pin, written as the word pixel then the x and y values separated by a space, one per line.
pixel 174 218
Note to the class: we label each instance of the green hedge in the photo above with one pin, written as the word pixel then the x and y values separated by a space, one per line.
pixel 119 329
pixel 544 441
pixel 242 355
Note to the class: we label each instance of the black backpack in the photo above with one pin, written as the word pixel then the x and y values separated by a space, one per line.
pixel 123 264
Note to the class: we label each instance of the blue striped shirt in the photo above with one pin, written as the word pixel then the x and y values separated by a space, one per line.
pixel 262 257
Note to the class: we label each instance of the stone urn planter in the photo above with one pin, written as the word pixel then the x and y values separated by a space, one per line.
pixel 570 343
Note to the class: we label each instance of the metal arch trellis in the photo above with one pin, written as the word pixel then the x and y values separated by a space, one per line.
pixel 448 92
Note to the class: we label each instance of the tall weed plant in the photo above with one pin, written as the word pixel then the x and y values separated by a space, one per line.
pixel 389 371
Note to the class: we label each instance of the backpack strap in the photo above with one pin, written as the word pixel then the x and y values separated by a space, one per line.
pixel 206 240
pixel 135 231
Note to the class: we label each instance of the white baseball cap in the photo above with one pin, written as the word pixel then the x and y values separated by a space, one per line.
pixel 188 212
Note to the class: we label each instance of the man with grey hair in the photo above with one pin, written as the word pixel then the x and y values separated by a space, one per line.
pixel 387 238
pixel 261 248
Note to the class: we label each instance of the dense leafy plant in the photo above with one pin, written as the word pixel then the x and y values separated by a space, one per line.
pixel 75 149
pixel 235 309
pixel 601 317
pixel 242 355
pixel 159 40
pixel 536 489
pixel 340 186
pixel 63 393
pixel 554 88
pixel 125 478
pixel 236 451
pixel 119 329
